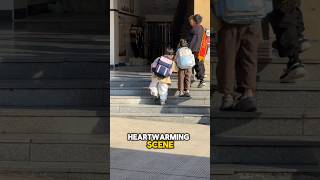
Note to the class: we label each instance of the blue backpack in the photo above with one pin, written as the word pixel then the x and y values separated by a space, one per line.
pixel 242 11
pixel 163 67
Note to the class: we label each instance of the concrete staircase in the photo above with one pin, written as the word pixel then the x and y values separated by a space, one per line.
pixel 53 97
pixel 281 141
pixel 130 98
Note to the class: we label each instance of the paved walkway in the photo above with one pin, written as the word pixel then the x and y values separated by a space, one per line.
pixel 131 160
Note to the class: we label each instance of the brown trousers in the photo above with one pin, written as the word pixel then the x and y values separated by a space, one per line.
pixel 184 79
pixel 238 56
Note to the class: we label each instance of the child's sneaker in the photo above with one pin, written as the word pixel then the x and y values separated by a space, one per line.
pixel 246 104
pixel 181 94
pixel 162 103
pixel 293 72
pixel 187 94
pixel 227 103
pixel 202 84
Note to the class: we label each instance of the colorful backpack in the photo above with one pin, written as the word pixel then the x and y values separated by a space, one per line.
pixel 241 11
pixel 163 67
pixel 185 58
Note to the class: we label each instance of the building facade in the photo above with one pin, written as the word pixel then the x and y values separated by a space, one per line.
pixel 140 29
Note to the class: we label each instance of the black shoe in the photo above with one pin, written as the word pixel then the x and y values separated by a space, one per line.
pixel 293 72
pixel 246 104
pixel 202 84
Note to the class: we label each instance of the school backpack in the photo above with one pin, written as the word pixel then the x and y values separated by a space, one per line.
pixel 241 11
pixel 163 67
pixel 185 58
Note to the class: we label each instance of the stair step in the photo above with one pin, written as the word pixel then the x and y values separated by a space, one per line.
pixel 68 170
pixel 267 121
pixel 272 70
pixel 53 148
pixel 168 117
pixel 172 100
pixel 53 120
pixel 266 141
pixel 291 95
pixel 146 83
pixel 72 92
pixel 54 70
pixel 179 109
pixel 266 150
pixel 143 91
pixel 52 55
pixel 264 172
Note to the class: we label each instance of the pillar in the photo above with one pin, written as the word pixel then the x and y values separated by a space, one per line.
pixel 114 33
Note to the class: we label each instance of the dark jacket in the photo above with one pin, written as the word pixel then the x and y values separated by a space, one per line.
pixel 195 38
pixel 286 5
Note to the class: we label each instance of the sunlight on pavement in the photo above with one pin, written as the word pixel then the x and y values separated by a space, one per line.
pixel 198 146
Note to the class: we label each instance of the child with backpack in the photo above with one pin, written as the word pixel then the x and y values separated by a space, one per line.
pixel 185 61
pixel 162 69
pixel 238 40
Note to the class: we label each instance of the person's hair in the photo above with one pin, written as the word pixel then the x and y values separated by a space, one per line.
pixel 169 51
pixel 183 43
pixel 191 17
pixel 197 18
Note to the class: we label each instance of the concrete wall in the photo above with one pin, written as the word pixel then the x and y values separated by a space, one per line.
pixel 203 7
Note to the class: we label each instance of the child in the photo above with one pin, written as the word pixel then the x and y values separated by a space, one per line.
pixel 195 42
pixel 185 61
pixel 237 48
pixel 287 23
pixel 162 69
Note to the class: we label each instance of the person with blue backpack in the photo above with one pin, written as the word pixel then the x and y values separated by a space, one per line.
pixel 162 69
pixel 185 62
pixel 238 39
